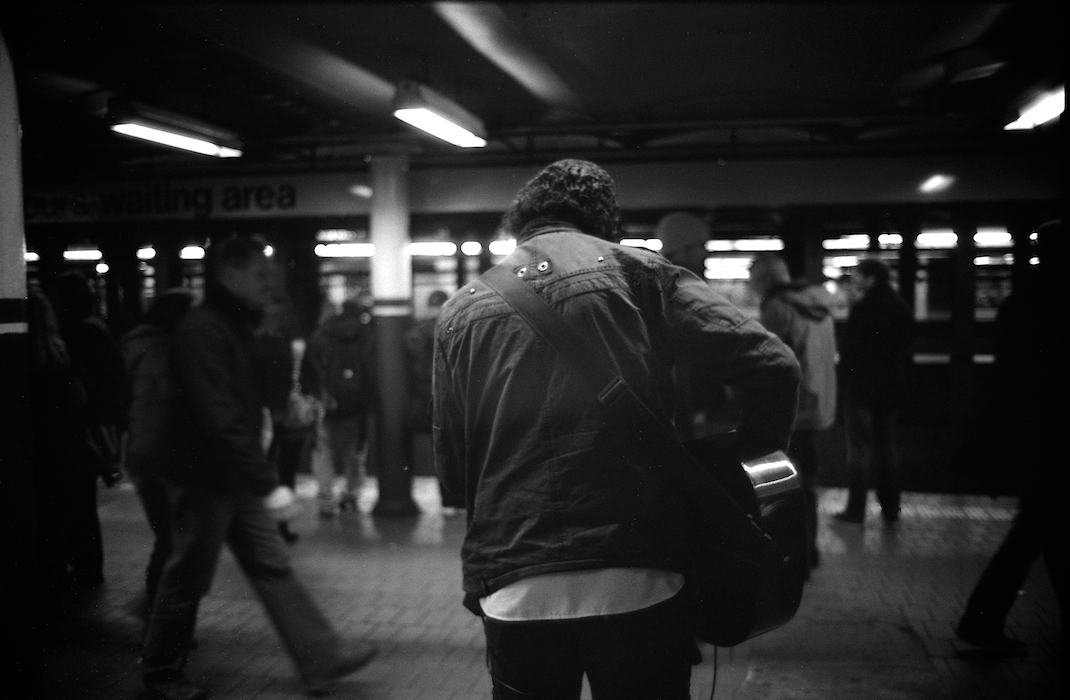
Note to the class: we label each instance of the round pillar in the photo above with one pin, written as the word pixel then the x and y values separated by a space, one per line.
pixel 391 282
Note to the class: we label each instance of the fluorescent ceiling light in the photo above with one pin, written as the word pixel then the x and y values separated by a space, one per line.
pixel 168 138
pixel 853 241
pixel 472 248
pixel 993 238
pixel 502 246
pixel 82 255
pixel 345 250
pixel 937 240
pixel 936 183
pixel 169 129
pixel 425 109
pixel 1043 109
pixel 437 249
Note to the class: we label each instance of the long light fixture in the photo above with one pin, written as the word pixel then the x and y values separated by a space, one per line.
pixel 169 129
pixel 1042 109
pixel 422 107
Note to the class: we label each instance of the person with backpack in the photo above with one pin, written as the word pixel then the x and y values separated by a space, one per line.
pixel 147 353
pixel 343 351
pixel 800 314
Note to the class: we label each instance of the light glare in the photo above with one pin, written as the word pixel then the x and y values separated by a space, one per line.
pixel 82 255
pixel 1042 110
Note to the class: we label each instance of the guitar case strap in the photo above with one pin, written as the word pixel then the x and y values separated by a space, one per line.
pixel 742 535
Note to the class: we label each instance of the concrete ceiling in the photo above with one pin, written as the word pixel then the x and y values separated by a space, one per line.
pixel 309 85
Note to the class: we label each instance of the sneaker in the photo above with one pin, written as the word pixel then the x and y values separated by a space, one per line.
pixel 993 642
pixel 328 508
pixel 848 517
pixel 352 657
pixel 348 503
pixel 177 688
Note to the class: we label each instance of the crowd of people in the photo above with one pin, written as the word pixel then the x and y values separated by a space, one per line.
pixel 212 408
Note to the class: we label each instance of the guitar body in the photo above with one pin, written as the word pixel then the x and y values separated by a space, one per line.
pixel 735 598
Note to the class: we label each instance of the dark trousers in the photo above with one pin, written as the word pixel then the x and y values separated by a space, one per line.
pixel 291 451
pixel 202 522
pixel 645 655
pixel 152 492
pixel 1037 530
pixel 803 454
pixel 873 458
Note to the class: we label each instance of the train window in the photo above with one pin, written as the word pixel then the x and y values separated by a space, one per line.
pixel 728 267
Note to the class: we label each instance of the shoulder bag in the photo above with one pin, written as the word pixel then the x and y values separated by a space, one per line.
pixel 746 519
pixel 302 410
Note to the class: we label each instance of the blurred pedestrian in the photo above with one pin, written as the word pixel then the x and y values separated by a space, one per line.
pixel 58 410
pixel 420 350
pixel 98 363
pixel 147 352
pixel 290 390
pixel 574 549
pixel 801 315
pixel 1031 376
pixel 223 490
pixel 343 349
pixel 875 359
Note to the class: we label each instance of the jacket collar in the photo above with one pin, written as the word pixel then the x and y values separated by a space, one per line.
pixel 541 225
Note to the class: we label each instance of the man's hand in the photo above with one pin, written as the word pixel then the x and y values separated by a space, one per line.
pixel 282 503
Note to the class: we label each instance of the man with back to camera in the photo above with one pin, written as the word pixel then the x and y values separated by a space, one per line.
pixel 875 361
pixel 801 315
pixel 222 489
pixel 574 546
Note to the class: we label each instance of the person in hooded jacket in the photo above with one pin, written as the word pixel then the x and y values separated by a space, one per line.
pixel 800 314
pixel 342 349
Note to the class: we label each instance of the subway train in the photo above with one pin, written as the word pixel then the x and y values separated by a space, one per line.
pixel 952 259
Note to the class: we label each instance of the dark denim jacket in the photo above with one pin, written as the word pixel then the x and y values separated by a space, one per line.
pixel 549 482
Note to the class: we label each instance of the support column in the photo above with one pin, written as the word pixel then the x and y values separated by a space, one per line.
pixel 391 281
pixel 21 665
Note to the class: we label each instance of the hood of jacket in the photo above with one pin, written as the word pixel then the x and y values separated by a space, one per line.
pixel 810 300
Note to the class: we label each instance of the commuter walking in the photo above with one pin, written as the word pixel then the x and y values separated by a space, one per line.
pixel 420 349
pixel 801 315
pixel 147 352
pixel 875 360
pixel 59 411
pixel 283 367
pixel 574 547
pixel 1031 374
pixel 223 490
pixel 343 351
pixel 98 364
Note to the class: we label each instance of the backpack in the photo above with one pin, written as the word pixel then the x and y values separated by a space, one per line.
pixel 347 379
pixel 151 392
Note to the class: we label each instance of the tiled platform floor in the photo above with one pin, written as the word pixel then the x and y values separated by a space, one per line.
pixel 876 621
